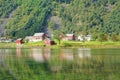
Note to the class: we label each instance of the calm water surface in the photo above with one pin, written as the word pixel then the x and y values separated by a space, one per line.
pixel 59 64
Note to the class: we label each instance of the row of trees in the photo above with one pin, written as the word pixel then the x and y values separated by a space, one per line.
pixel 105 37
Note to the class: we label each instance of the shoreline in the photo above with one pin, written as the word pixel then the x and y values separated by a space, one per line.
pixel 68 44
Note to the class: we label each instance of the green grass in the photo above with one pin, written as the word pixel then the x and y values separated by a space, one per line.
pixel 7 45
pixel 91 44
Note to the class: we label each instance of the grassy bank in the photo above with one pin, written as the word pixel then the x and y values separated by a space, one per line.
pixel 91 44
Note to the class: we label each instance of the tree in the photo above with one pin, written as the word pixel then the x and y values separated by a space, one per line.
pixel 115 37
pixel 103 37
pixel 58 36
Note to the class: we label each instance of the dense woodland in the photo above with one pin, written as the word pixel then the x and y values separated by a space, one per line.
pixel 100 18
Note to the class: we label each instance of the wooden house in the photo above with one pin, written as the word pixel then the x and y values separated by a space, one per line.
pixel 69 37
pixel 49 42
pixel 39 37
pixel 19 41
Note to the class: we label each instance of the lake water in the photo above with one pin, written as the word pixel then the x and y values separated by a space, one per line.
pixel 59 64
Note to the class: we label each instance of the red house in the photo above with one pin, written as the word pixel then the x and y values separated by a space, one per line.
pixel 49 42
pixel 69 37
pixel 39 37
pixel 19 41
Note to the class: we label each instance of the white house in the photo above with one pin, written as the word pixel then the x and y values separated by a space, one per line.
pixel 88 38
pixel 39 37
pixel 80 38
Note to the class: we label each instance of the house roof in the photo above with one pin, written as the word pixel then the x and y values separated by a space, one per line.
pixel 69 34
pixel 38 34
pixel 19 39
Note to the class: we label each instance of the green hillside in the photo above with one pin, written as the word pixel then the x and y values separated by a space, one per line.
pixel 95 17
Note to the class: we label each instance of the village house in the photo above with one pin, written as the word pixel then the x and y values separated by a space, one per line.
pixel 49 42
pixel 39 37
pixel 84 38
pixel 81 38
pixel 88 37
pixel 4 39
pixel 69 37
pixel 19 41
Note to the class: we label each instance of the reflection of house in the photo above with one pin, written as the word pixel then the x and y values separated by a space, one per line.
pixel 67 54
pixel 38 37
pixel 49 42
pixel 37 55
pixel 18 52
pixel 47 53
pixel 19 41
pixel 84 52
pixel 69 37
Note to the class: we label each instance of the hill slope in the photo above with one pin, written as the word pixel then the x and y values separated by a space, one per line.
pixel 69 16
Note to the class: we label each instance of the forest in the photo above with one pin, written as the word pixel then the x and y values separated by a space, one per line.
pixel 99 18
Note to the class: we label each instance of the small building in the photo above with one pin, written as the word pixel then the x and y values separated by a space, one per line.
pixel 49 42
pixel 88 38
pixel 19 41
pixel 4 39
pixel 81 38
pixel 39 37
pixel 84 38
pixel 69 37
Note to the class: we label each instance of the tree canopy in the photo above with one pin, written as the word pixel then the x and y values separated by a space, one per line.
pixel 77 16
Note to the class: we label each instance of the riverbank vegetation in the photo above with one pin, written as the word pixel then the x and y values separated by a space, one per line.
pixel 72 44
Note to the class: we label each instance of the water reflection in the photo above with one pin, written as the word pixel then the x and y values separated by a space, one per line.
pixel 4 53
pixel 18 52
pixel 37 55
pixel 41 55
pixel 67 54
pixel 59 64
pixel 47 54
pixel 84 53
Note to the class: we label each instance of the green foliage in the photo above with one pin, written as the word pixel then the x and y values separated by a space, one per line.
pixel 52 25
pixel 28 18
pixel 6 6
pixel 57 36
pixel 91 16
pixel 77 16
pixel 103 37
pixel 115 37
